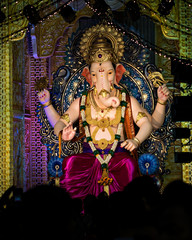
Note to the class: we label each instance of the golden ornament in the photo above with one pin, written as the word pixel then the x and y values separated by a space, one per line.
pixel 102 43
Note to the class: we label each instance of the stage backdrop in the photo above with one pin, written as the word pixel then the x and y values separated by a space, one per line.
pixel 27 57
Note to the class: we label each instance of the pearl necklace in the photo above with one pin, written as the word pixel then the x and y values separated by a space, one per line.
pixel 117 135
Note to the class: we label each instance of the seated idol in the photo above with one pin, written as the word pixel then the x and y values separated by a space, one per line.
pixel 107 112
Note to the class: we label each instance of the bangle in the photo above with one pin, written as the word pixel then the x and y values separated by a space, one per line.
pixel 47 104
pixel 162 103
pixel 137 141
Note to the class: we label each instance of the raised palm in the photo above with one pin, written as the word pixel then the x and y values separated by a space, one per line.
pixel 163 93
pixel 44 96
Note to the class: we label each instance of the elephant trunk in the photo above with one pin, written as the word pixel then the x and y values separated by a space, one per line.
pixel 103 86
pixel 109 101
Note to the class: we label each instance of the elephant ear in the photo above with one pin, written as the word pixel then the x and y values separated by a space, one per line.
pixel 119 72
pixel 87 75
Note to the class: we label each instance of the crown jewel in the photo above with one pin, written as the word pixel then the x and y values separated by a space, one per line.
pixel 101 51
pixel 102 43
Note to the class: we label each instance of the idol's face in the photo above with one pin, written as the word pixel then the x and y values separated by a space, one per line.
pixel 102 76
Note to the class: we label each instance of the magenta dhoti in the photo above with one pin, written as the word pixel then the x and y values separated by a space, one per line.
pixel 83 171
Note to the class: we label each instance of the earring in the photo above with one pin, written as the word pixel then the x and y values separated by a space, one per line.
pixel 95 91
pixel 111 88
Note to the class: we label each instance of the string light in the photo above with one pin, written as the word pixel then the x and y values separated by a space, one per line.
pixel 51 2
pixel 146 44
pixel 189 4
pixel 170 20
pixel 18 15
pixel 57 10
pixel 187 28
pixel 5 39
pixel 15 17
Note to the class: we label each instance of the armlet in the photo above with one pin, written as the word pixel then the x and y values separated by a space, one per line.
pixel 66 117
pixel 140 115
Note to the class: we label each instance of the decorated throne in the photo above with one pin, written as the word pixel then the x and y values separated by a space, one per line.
pixel 68 84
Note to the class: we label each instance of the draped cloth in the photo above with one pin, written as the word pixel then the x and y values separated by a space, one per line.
pixel 83 171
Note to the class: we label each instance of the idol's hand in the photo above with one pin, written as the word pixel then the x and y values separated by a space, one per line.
pixel 163 93
pixel 44 96
pixel 130 144
pixel 68 132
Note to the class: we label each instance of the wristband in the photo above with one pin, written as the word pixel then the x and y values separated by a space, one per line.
pixel 47 104
pixel 162 103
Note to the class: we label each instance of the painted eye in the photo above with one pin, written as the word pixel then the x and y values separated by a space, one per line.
pixel 93 74
pixel 110 72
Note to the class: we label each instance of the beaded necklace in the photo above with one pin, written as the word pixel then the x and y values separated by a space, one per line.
pixel 104 162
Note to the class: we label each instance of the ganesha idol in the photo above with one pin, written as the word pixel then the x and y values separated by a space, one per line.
pixel 107 114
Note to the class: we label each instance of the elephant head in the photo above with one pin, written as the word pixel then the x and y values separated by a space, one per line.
pixel 103 76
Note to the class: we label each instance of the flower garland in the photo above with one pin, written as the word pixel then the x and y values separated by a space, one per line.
pixel 104 162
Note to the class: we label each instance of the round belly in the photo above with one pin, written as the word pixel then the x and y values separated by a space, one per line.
pixel 105 133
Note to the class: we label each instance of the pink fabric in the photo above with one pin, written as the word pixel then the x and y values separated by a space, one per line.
pixel 83 171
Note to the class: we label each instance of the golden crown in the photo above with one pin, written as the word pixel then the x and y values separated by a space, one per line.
pixel 102 43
